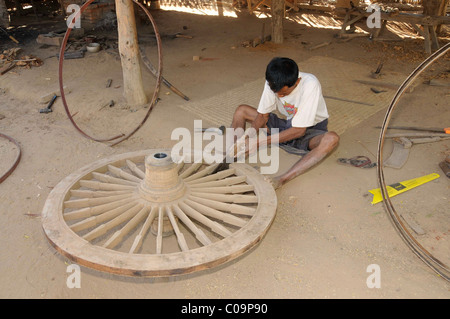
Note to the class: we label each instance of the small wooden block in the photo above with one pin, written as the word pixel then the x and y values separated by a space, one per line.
pixel 44 39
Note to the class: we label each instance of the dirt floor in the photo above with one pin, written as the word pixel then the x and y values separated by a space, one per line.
pixel 326 232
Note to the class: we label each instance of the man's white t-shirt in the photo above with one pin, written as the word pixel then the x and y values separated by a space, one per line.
pixel 305 105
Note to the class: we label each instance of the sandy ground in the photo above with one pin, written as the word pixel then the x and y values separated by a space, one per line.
pixel 326 232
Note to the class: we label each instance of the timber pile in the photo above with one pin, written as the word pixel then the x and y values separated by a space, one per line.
pixel 9 60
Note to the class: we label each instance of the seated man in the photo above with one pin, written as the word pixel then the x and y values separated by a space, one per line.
pixel 298 96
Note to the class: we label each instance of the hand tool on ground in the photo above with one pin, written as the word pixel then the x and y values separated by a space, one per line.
pixel 10 36
pixel 219 130
pixel 374 90
pixel 377 83
pixel 376 74
pixel 445 166
pixel 402 147
pixel 445 130
pixel 72 55
pixel 152 69
pixel 48 109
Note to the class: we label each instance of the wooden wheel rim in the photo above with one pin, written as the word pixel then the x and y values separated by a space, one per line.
pixel 81 251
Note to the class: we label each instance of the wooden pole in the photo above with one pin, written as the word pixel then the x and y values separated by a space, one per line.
pixel 277 20
pixel 129 53
pixel 4 15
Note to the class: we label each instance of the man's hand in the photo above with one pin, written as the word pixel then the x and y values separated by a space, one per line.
pixel 247 144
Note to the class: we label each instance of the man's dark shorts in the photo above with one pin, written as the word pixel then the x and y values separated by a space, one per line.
pixel 298 146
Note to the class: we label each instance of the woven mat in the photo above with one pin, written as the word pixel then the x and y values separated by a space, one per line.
pixel 337 79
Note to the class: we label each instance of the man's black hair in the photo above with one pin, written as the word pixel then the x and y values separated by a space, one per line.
pixel 281 72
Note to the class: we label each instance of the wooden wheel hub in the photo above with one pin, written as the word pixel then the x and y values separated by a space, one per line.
pixel 117 214
pixel 161 183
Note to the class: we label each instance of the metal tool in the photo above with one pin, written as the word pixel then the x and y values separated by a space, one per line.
pixel 445 130
pixel 48 109
pixel 445 166
pixel 220 130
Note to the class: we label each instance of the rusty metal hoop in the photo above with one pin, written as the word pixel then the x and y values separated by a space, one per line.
pixel 142 214
pixel 431 261
pixel 121 137
pixel 16 161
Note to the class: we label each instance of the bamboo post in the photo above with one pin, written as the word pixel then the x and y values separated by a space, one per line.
pixel 129 53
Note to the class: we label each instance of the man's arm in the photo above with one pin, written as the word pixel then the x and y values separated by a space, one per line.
pixel 284 136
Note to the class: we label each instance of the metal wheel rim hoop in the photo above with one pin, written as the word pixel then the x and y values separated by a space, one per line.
pixel 431 261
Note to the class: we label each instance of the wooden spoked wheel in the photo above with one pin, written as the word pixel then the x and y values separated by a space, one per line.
pixel 144 214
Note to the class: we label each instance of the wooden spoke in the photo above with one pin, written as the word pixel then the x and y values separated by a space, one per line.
pixel 148 222
pixel 199 234
pixel 136 170
pixel 105 186
pixel 215 227
pixel 180 166
pixel 87 202
pixel 94 210
pixel 102 229
pixel 96 220
pixel 160 230
pixel 222 182
pixel 235 198
pixel 83 193
pixel 213 177
pixel 236 189
pixel 209 211
pixel 109 179
pixel 121 173
pixel 192 169
pixel 203 172
pixel 118 235
pixel 231 208
pixel 180 237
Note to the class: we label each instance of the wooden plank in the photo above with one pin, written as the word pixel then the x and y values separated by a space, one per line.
pixel 7 68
